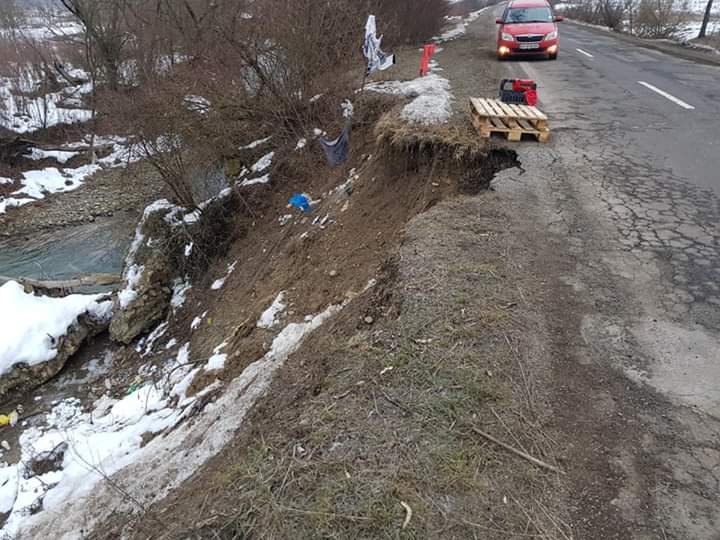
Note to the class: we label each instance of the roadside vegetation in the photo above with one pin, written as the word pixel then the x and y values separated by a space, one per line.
pixel 651 19
pixel 188 83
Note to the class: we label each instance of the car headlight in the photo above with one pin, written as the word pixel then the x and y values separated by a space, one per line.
pixel 507 37
pixel 552 35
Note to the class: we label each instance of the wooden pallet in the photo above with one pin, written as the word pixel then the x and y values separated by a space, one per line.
pixel 512 121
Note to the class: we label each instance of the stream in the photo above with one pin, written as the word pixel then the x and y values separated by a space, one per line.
pixel 97 247
pixel 57 254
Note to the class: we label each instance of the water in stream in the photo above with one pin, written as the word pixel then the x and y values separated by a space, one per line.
pixel 97 247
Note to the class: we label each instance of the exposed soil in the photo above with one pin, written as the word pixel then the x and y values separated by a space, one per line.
pixel 380 409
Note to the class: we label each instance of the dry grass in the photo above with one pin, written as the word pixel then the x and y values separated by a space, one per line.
pixel 452 149
pixel 339 459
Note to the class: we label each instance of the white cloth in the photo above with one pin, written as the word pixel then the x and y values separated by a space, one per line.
pixel 377 59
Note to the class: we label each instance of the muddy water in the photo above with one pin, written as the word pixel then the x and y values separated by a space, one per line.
pixel 97 247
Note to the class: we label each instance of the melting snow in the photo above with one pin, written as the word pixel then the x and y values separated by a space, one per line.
pixel 108 442
pixel 255 144
pixel 195 324
pixel 132 277
pixel 62 156
pixel 432 97
pixel 153 337
pixel 263 163
pixel 254 181
pixel 29 339
pixel 269 317
pixel 217 361
pixel 219 283
pixel 180 290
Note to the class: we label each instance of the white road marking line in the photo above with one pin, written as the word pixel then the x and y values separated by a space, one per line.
pixel 585 53
pixel 667 96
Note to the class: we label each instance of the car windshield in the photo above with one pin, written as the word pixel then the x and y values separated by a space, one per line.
pixel 529 14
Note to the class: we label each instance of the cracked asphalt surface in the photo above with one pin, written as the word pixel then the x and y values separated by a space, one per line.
pixel 620 213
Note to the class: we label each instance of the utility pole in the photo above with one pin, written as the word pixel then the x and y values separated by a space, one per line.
pixel 706 19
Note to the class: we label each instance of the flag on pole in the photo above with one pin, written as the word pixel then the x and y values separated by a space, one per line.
pixel 377 59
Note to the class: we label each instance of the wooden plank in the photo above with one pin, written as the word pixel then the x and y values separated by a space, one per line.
pixel 490 111
pixel 506 109
pixel 497 122
pixel 481 127
pixel 516 131
pixel 523 111
pixel 480 120
pixel 496 107
pixel 544 135
pixel 478 106
pixel 537 112
pixel 525 125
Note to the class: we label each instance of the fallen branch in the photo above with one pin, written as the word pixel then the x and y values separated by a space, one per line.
pixel 517 452
pixel 408 514
pixel 82 281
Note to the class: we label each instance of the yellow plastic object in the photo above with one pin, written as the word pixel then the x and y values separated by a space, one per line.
pixel 8 419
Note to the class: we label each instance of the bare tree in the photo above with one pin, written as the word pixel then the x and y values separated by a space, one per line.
pixel 105 34
pixel 706 19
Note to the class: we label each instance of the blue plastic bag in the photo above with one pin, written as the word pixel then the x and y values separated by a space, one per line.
pixel 298 200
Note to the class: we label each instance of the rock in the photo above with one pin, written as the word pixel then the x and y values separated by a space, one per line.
pixel 45 462
pixel 333 273
pixel 5 445
pixel 369 320
pixel 22 378
pixel 153 288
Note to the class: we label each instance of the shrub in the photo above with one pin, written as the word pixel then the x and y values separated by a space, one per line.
pixel 411 21
pixel 657 19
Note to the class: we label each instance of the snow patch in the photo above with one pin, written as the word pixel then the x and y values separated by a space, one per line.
pixel 255 144
pixel 432 98
pixel 220 283
pixel 180 290
pixel 31 339
pixel 132 276
pixel 195 324
pixel 263 163
pixel 269 317
pixel 108 442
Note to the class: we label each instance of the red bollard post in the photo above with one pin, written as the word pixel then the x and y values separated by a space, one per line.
pixel 428 51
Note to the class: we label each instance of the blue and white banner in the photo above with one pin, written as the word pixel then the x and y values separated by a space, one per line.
pixel 377 59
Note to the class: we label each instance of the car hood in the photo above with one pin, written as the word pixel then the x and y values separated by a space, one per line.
pixel 529 28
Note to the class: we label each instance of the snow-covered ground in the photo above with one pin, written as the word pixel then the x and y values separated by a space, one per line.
pixel 23 114
pixel 28 338
pixel 36 184
pixel 432 103
pixel 458 26
pixel 690 30
pixel 38 28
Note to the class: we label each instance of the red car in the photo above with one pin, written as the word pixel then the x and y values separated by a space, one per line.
pixel 528 28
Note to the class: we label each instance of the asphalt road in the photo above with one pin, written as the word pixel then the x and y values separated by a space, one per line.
pixel 626 201
pixel 657 92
